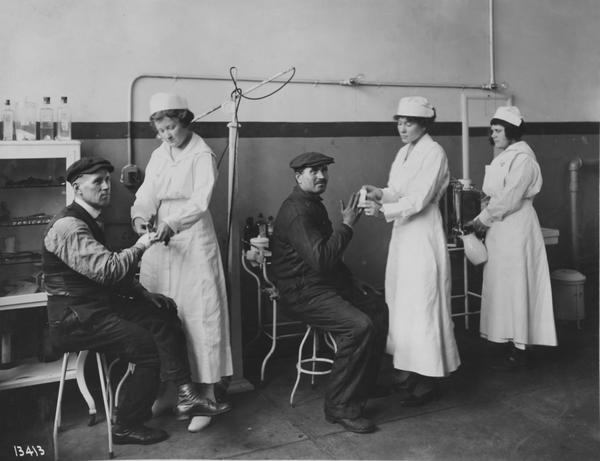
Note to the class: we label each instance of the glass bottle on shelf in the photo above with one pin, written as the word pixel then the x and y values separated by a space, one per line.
pixel 270 226
pixel 46 120
pixel 8 121
pixel 63 119
pixel 25 121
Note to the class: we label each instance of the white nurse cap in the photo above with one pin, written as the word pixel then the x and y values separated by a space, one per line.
pixel 166 101
pixel 510 114
pixel 414 106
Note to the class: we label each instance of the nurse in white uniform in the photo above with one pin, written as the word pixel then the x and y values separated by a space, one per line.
pixel 516 304
pixel 417 279
pixel 175 196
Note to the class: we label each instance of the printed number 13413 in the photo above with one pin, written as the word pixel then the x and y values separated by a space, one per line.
pixel 28 450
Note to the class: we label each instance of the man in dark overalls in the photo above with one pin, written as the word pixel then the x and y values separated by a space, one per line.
pixel 95 303
pixel 317 288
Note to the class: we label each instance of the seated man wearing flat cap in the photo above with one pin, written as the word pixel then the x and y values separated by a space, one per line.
pixel 95 303
pixel 317 288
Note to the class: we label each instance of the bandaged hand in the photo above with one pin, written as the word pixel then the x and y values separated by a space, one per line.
pixel 146 241
pixel 371 207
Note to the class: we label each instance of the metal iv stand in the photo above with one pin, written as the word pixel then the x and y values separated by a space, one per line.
pixel 270 289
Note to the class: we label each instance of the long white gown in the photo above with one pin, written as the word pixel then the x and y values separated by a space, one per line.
pixel 417 280
pixel 516 302
pixel 189 269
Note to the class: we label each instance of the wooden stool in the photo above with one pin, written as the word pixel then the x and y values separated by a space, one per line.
pixel 313 359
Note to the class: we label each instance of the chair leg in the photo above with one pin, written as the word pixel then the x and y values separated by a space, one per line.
pixel 79 374
pixel 299 364
pixel 130 370
pixel 273 342
pixel 315 347
pixel 102 371
pixel 57 415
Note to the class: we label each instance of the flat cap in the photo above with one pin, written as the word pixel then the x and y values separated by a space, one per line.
pixel 310 159
pixel 87 165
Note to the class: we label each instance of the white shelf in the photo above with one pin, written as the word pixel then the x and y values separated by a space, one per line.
pixel 31 372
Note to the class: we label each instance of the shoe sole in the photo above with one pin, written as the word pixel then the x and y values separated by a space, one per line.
pixel 127 441
pixel 184 416
pixel 366 430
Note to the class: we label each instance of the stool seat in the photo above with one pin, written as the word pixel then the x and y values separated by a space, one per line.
pixel 313 333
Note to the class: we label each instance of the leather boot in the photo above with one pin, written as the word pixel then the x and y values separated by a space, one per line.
pixel 190 403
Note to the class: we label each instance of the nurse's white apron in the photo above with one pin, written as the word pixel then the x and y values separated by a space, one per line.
pixel 516 302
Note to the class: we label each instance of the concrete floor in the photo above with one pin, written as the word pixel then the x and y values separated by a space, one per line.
pixel 549 412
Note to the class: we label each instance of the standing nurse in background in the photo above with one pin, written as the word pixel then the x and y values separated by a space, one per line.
pixel 516 303
pixel 174 198
pixel 417 279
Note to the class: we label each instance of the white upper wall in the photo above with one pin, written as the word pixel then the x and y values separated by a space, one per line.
pixel 90 50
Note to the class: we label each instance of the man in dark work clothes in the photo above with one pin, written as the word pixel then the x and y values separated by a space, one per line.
pixel 317 288
pixel 95 303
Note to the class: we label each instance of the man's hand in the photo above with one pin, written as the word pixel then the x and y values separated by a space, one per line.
pixel 164 233
pixel 363 286
pixel 145 241
pixel 161 301
pixel 373 193
pixel 350 213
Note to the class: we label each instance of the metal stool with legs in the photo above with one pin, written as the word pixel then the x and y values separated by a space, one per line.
pixel 313 359
pixel 110 403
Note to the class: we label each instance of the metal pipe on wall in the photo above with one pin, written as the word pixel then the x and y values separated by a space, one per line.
pixel 350 82
pixel 493 84
pixel 574 166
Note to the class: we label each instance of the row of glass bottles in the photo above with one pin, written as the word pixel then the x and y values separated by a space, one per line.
pixel 19 122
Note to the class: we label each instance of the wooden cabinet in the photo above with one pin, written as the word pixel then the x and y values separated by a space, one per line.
pixel 33 189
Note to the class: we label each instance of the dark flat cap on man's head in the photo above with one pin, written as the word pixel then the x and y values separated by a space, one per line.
pixel 87 165
pixel 310 159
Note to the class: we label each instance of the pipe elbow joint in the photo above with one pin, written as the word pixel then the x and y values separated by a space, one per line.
pixel 575 164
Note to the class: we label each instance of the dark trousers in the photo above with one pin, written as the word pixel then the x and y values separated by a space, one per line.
pixel 359 324
pixel 136 332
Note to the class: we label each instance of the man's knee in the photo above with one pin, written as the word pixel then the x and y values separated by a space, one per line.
pixel 363 327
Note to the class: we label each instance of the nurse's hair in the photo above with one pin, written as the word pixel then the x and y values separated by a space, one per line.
pixel 185 116
pixel 512 132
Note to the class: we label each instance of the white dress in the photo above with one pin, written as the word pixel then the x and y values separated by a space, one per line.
pixel 417 279
pixel 516 302
pixel 189 268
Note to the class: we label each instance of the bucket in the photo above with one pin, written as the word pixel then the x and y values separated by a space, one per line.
pixel 567 294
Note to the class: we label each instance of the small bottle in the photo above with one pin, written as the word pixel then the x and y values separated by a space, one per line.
pixel 46 120
pixel 262 225
pixel 8 122
pixel 270 226
pixel 249 232
pixel 63 119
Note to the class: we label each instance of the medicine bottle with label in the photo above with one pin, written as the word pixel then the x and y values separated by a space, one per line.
pixel 46 120
pixel 63 119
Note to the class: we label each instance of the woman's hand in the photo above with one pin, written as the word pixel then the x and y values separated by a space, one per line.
pixel 371 208
pixel 164 233
pixel 140 226
pixel 479 228
pixel 374 193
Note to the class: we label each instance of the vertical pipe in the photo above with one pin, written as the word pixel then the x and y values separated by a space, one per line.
pixel 491 43
pixel 464 118
pixel 574 167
